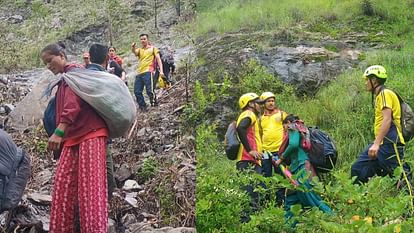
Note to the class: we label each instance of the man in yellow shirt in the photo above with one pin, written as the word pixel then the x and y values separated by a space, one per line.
pixel 148 57
pixel 271 123
pixel 387 151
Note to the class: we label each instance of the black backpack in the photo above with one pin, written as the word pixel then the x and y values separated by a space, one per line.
pixel 231 141
pixel 323 153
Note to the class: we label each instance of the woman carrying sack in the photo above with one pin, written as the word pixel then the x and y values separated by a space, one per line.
pixel 80 179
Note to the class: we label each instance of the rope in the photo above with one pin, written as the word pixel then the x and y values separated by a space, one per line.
pixel 405 176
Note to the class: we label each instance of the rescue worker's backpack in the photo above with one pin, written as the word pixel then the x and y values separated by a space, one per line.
pixel 322 153
pixel 231 141
pixel 14 172
pixel 407 119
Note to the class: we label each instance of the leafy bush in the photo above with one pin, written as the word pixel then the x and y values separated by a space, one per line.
pixel 205 96
pixel 219 199
pixel 148 169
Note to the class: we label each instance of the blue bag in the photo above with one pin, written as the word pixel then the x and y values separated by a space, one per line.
pixel 49 117
pixel 323 153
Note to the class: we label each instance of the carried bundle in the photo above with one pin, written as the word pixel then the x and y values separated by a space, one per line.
pixel 107 94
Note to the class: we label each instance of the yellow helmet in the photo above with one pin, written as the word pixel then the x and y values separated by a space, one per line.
pixel 377 70
pixel 266 95
pixel 246 98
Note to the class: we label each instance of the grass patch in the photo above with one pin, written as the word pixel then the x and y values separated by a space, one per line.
pixel 333 16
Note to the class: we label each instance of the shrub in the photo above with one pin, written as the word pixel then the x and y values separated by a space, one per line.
pixel 148 169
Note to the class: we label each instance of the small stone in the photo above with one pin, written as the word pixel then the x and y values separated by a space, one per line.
pixel 149 153
pixel 129 219
pixel 9 108
pixel 40 198
pixel 142 132
pixel 111 226
pixel 131 185
pixel 132 201
pixel 123 173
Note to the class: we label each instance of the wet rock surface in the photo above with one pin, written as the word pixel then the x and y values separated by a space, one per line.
pixel 79 42
pixel 13 90
pixel 307 68
pixel 29 111
pixel 307 62
pixel 16 16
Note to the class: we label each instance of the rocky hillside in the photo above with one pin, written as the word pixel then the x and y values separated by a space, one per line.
pixel 154 163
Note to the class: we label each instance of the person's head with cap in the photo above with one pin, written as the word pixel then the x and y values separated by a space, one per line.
pixel 375 76
pixel 268 99
pixel 249 101
pixel 86 58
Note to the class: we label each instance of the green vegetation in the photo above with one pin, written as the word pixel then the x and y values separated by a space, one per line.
pixel 333 16
pixel 343 109
pixel 148 169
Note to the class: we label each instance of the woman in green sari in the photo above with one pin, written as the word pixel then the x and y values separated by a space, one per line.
pixel 299 164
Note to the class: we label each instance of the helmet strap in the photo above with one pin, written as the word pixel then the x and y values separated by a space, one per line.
pixel 374 90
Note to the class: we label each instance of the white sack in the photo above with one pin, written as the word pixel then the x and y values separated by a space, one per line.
pixel 107 94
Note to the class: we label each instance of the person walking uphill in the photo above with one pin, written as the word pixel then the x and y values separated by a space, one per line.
pixel 383 155
pixel 148 56
pixel 300 164
pixel 99 59
pixel 250 152
pixel 81 173
pixel 113 56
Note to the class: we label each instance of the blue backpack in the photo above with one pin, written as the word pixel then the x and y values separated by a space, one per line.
pixel 322 153
pixel 49 117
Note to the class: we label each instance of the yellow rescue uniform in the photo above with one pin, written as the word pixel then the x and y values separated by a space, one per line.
pixel 253 137
pixel 272 127
pixel 388 99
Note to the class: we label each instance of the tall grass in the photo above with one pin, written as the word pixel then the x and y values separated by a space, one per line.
pixel 233 16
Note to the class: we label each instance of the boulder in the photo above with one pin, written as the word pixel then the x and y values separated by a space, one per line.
pixel 29 111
